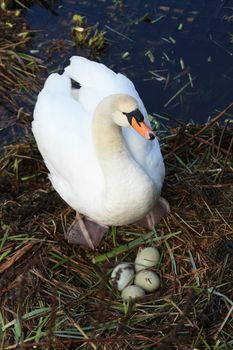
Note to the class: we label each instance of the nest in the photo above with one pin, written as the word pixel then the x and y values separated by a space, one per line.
pixel 56 296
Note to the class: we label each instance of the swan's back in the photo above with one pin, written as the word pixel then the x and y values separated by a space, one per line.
pixel 98 81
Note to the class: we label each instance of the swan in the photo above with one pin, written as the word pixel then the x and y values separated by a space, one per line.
pixel 102 156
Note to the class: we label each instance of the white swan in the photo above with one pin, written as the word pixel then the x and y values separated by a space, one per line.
pixel 97 162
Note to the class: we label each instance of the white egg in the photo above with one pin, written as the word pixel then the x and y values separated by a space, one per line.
pixel 146 258
pixel 122 275
pixel 148 280
pixel 132 292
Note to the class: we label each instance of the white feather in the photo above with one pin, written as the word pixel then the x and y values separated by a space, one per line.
pixel 62 127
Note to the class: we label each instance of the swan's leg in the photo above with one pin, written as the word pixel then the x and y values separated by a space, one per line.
pixel 85 232
pixel 160 210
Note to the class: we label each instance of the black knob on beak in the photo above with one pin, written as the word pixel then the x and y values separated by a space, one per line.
pixel 151 136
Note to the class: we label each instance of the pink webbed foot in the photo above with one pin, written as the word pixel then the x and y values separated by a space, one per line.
pixel 160 210
pixel 85 232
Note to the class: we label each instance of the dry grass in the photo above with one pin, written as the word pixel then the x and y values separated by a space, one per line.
pixel 54 297
pixel 57 296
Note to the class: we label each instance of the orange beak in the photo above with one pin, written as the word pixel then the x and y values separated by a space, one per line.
pixel 143 129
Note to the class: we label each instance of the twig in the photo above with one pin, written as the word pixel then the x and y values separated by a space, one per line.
pixel 206 142
pixel 81 331
pixel 207 126
pixel 214 120
pixel 16 256
pixel 221 137
pixel 177 93
pixel 221 46
pixel 115 31
pixel 226 158
pixel 224 322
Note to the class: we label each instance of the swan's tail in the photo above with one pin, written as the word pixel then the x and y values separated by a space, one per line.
pixel 98 81
pixel 50 99
pixel 89 73
pixel 57 83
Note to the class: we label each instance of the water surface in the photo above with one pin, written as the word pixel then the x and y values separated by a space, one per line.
pixel 178 53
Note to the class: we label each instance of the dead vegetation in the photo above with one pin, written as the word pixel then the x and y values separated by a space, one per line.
pixel 57 296
pixel 53 296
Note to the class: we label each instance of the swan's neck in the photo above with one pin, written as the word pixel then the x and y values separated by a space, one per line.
pixel 111 151
pixel 124 179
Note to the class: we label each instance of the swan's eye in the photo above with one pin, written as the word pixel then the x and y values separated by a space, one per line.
pixel 136 114
pixel 136 120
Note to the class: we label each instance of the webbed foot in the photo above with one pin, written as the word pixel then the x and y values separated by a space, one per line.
pixel 160 210
pixel 85 232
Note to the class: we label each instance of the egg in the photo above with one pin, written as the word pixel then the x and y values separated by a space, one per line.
pixel 122 275
pixel 132 292
pixel 146 258
pixel 148 280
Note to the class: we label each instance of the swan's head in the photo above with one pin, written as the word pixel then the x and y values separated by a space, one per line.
pixel 127 114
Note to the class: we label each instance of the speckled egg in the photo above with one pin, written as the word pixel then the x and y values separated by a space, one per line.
pixel 146 258
pixel 148 280
pixel 122 275
pixel 132 292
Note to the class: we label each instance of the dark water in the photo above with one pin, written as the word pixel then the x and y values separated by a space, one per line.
pixel 178 53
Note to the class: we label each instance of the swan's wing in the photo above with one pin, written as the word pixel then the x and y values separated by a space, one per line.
pixel 97 81
pixel 62 129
